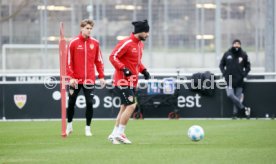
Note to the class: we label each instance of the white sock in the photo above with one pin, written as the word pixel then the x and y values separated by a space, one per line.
pixel 87 127
pixel 121 129
pixel 114 130
pixel 69 124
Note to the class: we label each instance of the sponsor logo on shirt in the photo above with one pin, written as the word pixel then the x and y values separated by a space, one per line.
pixel 79 47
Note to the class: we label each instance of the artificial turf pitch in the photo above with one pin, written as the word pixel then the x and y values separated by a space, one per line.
pixel 154 141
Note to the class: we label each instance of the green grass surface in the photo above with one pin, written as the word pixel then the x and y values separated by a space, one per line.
pixel 154 141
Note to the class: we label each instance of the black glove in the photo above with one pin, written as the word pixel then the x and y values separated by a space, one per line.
pixel 127 72
pixel 146 74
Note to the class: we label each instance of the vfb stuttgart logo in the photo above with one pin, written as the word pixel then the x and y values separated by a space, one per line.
pixel 20 100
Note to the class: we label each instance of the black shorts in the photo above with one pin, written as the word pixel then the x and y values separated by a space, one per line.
pixel 127 94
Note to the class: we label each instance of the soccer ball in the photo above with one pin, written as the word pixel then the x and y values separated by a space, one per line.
pixel 196 133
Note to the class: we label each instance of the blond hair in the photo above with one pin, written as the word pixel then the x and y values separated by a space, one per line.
pixel 86 22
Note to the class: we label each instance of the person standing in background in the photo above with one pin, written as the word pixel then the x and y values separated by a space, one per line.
pixel 234 67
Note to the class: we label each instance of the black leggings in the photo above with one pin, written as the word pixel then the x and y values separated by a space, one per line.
pixel 73 94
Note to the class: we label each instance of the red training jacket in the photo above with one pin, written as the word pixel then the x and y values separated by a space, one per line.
pixel 127 53
pixel 82 57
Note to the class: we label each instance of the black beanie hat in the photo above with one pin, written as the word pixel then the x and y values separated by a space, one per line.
pixel 236 40
pixel 141 26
